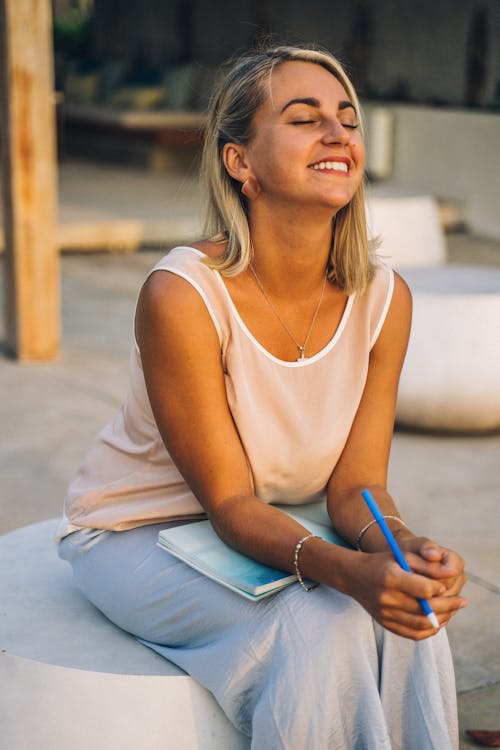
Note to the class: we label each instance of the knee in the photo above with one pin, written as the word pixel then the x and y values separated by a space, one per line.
pixel 324 644
pixel 326 626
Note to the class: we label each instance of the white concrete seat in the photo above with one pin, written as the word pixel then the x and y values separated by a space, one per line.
pixel 408 226
pixel 71 679
pixel 451 377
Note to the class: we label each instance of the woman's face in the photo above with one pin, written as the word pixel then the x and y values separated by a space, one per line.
pixel 306 146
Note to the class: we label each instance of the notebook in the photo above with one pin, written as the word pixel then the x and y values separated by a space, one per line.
pixel 198 545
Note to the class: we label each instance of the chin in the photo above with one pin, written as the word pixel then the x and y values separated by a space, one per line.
pixel 337 203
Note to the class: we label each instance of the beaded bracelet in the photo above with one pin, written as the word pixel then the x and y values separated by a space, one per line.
pixel 296 561
pixel 363 531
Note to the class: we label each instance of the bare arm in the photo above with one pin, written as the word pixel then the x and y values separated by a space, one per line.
pixel 383 588
pixel 364 461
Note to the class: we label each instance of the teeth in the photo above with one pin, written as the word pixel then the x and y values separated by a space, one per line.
pixel 338 166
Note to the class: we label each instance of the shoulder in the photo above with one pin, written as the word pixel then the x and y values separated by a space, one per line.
pixel 395 329
pixel 172 321
pixel 387 291
pixel 183 263
pixel 190 256
pixel 172 298
pixel 401 301
pixel 386 280
pixel 210 248
pixel 180 275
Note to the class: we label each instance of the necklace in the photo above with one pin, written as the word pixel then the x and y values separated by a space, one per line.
pixel 273 308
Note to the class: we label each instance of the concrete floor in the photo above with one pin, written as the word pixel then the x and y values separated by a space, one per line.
pixel 447 486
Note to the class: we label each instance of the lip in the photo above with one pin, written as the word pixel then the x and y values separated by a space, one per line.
pixel 331 158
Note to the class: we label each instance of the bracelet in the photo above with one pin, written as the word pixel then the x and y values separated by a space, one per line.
pixel 296 561
pixel 363 531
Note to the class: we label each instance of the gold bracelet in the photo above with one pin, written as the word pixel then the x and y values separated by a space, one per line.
pixel 363 531
pixel 296 561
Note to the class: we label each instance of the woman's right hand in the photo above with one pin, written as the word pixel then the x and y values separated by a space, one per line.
pixel 390 595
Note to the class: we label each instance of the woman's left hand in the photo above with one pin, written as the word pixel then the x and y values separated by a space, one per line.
pixel 430 559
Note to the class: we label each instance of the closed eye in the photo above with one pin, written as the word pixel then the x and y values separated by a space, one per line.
pixel 348 126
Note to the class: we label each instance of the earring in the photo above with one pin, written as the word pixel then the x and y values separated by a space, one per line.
pixel 250 188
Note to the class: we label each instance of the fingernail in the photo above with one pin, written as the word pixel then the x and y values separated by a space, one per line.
pixel 462 604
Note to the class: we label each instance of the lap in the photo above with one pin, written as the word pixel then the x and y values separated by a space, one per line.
pixel 155 596
pixel 258 658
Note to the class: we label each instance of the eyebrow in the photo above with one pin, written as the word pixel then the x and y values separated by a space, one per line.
pixel 311 102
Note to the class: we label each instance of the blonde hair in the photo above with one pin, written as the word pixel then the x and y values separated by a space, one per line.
pixel 230 119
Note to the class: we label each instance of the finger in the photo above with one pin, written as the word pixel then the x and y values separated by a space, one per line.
pixel 455 585
pixel 443 605
pixel 431 569
pixel 407 632
pixel 410 610
pixel 451 561
pixel 422 546
pixel 424 549
pixel 417 623
pixel 399 601
pixel 413 584
pixel 448 558
pixel 431 551
pixel 444 568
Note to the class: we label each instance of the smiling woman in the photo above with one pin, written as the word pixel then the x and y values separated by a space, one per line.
pixel 265 371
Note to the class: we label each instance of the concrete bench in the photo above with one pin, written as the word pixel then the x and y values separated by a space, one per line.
pixel 71 679
pixel 451 376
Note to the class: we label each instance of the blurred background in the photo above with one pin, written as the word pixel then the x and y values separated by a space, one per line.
pixel 435 66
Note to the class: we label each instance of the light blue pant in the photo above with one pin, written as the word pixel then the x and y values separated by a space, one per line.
pixel 297 671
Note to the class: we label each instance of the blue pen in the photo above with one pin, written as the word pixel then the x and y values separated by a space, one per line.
pixel 375 511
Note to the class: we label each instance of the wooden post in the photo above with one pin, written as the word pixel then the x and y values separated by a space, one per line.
pixel 29 179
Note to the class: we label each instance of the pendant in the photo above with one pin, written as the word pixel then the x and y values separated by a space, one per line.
pixel 301 354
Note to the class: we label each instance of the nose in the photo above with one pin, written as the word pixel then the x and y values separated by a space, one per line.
pixel 336 133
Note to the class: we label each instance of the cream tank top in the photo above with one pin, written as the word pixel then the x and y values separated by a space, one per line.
pixel 293 418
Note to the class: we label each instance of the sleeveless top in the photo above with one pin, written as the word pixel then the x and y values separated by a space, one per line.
pixel 293 418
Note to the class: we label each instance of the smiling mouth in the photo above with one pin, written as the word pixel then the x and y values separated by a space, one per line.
pixel 331 166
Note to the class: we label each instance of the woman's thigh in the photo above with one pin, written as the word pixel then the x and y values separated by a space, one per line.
pixel 262 659
pixel 148 592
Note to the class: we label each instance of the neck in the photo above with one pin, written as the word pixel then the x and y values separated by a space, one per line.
pixel 290 254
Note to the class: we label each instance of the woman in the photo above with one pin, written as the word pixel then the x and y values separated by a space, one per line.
pixel 266 371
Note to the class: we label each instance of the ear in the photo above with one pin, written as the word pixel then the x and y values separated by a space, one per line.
pixel 235 161
pixel 237 166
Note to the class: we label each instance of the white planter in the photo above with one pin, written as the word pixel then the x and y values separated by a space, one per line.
pixel 451 377
pixel 408 227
